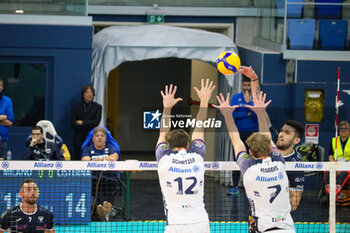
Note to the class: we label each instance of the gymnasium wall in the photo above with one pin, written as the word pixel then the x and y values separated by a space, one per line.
pixel 66 50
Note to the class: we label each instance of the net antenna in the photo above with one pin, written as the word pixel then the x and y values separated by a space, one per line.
pixel 336 115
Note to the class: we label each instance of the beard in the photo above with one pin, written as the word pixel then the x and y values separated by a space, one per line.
pixel 283 146
pixel 32 201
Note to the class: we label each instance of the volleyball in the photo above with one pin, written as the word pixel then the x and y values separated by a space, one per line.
pixel 228 62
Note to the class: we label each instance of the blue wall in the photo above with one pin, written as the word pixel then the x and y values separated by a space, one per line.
pixel 323 75
pixel 67 52
pixel 288 98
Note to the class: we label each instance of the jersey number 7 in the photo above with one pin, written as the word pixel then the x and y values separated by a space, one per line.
pixel 274 194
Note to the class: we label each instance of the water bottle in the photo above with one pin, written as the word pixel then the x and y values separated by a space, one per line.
pixel 9 155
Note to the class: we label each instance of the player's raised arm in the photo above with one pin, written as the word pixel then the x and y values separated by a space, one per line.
pixel 168 102
pixel 226 110
pixel 260 109
pixel 250 73
pixel 204 95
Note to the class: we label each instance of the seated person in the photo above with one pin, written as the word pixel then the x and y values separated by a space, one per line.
pixel 105 184
pixel 40 149
pixel 343 154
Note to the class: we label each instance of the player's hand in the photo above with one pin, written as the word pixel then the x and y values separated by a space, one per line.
pixel 79 122
pixel 207 88
pixel 248 72
pixel 169 96
pixel 259 103
pixel 3 117
pixel 33 142
pixel 224 105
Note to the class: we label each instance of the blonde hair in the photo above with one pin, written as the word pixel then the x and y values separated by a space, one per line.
pixel 259 144
pixel 344 123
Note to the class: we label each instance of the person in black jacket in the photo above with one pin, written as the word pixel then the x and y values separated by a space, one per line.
pixel 85 116
pixel 40 149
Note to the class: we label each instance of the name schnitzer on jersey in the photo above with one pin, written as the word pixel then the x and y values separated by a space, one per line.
pixel 187 161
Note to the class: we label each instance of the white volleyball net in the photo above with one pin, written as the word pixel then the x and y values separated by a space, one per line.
pixel 126 197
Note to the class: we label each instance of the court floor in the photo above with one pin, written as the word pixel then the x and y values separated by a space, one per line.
pixel 158 227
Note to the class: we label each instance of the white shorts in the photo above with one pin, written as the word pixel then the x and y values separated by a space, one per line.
pixel 200 227
pixel 281 231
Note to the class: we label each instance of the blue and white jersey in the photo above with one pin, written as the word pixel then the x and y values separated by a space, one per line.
pixel 266 185
pixel 16 220
pixel 181 178
pixel 296 178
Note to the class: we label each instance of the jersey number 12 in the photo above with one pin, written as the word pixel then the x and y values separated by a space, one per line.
pixel 189 189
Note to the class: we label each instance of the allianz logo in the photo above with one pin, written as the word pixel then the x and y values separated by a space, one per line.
pixel 42 164
pixel 214 165
pixel 96 165
pixel 148 165
pixel 317 166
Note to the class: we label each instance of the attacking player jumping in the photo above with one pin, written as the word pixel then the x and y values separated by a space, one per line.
pixel 263 168
pixel 28 216
pixel 181 167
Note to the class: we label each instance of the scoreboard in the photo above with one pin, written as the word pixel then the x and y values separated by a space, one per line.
pixel 66 193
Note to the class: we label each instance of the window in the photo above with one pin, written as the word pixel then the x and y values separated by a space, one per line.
pixel 24 83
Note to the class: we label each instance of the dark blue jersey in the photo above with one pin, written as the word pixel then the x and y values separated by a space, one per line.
pixel 18 221
pixel 296 178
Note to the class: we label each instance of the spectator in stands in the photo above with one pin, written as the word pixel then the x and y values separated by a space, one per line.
pixel 342 155
pixel 105 184
pixel 6 119
pixel 85 116
pixel 245 119
pixel 40 149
